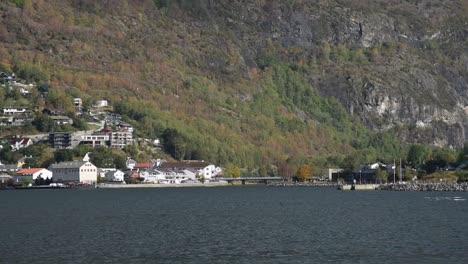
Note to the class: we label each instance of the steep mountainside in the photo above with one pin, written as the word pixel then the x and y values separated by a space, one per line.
pixel 256 83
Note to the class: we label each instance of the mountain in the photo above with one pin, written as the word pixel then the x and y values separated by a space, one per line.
pixel 256 83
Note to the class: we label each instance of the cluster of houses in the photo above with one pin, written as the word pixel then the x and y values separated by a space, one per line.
pixel 366 173
pixel 15 116
pixel 161 171
pixel 158 171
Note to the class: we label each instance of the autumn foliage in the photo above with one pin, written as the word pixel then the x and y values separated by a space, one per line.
pixel 304 172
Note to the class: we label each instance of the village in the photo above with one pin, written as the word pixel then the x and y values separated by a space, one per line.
pixel 84 173
pixel 109 131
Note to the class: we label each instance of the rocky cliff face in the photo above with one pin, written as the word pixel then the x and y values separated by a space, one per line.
pixel 420 90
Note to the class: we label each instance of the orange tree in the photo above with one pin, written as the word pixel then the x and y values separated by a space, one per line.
pixel 304 172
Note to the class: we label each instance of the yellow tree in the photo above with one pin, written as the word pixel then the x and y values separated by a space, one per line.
pixel 304 172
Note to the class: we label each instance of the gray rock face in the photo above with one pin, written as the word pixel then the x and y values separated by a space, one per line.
pixel 421 91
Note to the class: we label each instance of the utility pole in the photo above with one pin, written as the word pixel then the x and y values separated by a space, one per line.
pixel 400 172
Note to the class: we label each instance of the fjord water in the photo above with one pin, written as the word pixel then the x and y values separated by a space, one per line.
pixel 232 225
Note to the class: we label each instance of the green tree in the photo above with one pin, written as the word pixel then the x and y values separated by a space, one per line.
pixel 409 174
pixel 463 155
pixel 232 171
pixel 174 143
pixel 417 154
pixel 381 175
pixel 61 155
pixel 26 181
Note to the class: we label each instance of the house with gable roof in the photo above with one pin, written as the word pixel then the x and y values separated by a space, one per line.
pixel 115 176
pixel 33 174
pixel 19 143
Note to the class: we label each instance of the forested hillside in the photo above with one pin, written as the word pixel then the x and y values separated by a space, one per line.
pixel 259 84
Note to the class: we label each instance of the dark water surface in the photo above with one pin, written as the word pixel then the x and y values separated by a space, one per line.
pixel 232 225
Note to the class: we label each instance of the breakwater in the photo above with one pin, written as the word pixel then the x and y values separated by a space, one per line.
pixel 425 187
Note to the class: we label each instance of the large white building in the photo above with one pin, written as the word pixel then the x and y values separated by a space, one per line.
pixel 95 139
pixel 74 171
pixel 120 139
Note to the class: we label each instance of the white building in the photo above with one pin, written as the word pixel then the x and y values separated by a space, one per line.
pixel 62 120
pixel 95 139
pixel 33 174
pixel 120 139
pixel 74 171
pixel 78 104
pixel 15 110
pixel 115 176
pixel 130 163
pixel 101 103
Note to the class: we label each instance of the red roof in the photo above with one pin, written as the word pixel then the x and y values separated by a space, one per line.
pixel 144 165
pixel 29 171
pixel 134 175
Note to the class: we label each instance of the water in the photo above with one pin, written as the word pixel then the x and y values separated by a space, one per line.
pixel 232 225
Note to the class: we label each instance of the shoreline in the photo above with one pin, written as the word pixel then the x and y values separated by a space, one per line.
pixel 160 185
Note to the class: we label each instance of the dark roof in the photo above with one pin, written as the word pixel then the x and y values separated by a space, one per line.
pixel 184 164
pixel 143 165
pixel 67 165
pixel 9 167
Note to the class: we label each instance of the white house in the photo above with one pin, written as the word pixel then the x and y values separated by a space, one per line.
pixel 101 103
pixel 74 171
pixel 62 120
pixel 130 163
pixel 33 174
pixel 15 110
pixel 115 176
pixel 78 104
pixel 5 178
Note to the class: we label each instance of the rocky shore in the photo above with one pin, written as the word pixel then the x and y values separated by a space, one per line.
pixel 425 187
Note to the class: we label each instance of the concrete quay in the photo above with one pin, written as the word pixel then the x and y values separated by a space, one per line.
pixel 358 187
pixel 181 185
pixel 303 184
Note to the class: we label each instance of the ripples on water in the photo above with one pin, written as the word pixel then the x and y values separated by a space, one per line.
pixel 232 225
